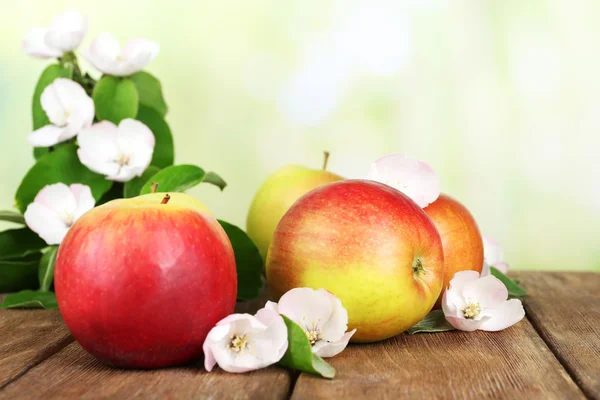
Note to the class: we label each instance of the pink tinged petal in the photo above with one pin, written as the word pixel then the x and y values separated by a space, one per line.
pixel 488 291
pixel 276 333
pixel 35 45
pixel 103 54
pixel 506 314
pixel 462 278
pixel 271 305
pixel 83 198
pixel 502 267
pixel 492 252
pixel 137 53
pixel 67 30
pixel 331 349
pixel 463 324
pixel 57 197
pixel 485 270
pixel 48 135
pixel 98 148
pixel 306 307
pixel 414 178
pixel 334 328
pixel 453 303
pixel 46 223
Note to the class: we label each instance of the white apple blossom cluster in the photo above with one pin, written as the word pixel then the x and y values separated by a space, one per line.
pixel 472 301
pixel 244 342
pixel 119 152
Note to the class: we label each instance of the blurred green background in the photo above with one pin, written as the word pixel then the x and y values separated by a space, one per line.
pixel 500 97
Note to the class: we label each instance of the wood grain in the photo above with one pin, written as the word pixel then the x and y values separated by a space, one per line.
pixel 511 364
pixel 72 373
pixel 27 337
pixel 565 310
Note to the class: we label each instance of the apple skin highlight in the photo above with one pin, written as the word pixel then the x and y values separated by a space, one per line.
pixel 368 244
pixel 140 284
pixel 461 239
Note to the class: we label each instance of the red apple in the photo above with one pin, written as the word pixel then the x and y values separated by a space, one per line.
pixel 140 283
pixel 368 244
pixel 461 239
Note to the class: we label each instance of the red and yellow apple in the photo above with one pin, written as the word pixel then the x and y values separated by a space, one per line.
pixel 461 239
pixel 140 282
pixel 276 196
pixel 368 244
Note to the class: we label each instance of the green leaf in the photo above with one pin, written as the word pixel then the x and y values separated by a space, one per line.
pixel 46 268
pixel 514 289
pixel 51 72
pixel 39 152
pixel 12 216
pixel 134 186
pixel 30 299
pixel 163 155
pixel 15 243
pixel 61 165
pixel 247 260
pixel 149 92
pixel 299 354
pixel 176 178
pixel 433 322
pixel 212 177
pixel 19 273
pixel 115 99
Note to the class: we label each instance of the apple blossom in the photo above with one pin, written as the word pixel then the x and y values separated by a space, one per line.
pixel 55 208
pixel 69 110
pixel 492 256
pixel 320 314
pixel 65 34
pixel 107 56
pixel 243 342
pixel 120 153
pixel 414 178
pixel 472 303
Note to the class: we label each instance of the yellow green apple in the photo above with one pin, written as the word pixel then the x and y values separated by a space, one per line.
pixel 276 196
pixel 368 244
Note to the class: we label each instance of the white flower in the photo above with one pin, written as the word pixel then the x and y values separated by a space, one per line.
pixel 107 56
pixel 472 303
pixel 120 153
pixel 69 110
pixel 242 342
pixel 414 178
pixel 55 208
pixel 492 256
pixel 65 34
pixel 320 314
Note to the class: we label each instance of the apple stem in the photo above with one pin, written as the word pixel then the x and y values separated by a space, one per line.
pixel 165 199
pixel 418 266
pixel 325 159
pixel 153 187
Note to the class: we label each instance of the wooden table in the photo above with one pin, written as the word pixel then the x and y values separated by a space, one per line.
pixel 553 354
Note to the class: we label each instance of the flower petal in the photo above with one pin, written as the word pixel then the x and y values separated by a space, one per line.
pixel 333 329
pixel 275 335
pixel 502 267
pixel 67 30
pixel 271 305
pixel 66 104
pixel 83 198
pixel 331 349
pixel 103 54
pixel 306 307
pixel 35 45
pixel 463 324
pixel 48 135
pixel 98 148
pixel 414 178
pixel 492 252
pixel 488 291
pixel 507 314
pixel 46 223
pixel 58 198
pixel 137 53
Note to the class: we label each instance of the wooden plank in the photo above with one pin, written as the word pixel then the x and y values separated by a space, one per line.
pixel 565 310
pixel 72 373
pixel 512 364
pixel 27 337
